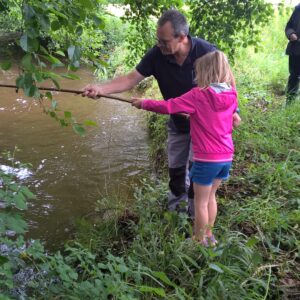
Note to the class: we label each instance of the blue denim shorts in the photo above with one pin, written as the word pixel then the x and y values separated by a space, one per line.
pixel 205 173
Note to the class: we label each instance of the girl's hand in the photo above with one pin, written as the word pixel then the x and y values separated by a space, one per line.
pixel 137 102
pixel 236 120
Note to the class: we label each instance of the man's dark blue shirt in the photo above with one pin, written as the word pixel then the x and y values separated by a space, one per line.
pixel 173 79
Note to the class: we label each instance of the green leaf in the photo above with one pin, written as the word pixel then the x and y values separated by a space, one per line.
pixel 164 278
pixel 74 52
pixel 55 83
pixel 251 242
pixel 54 104
pixel 90 123
pixel 79 129
pixel 216 268
pixel 70 76
pixel 27 193
pixel 98 62
pixel 98 22
pixel 68 114
pixel 44 50
pixel 58 13
pixel 122 269
pixel 53 60
pixel 28 11
pixel 32 32
pixel 31 91
pixel 12 221
pixel 79 30
pixel 26 62
pixel 48 95
pixel 190 260
pixel 148 289
pixel 3 260
pixel 24 42
pixel 60 53
pixel 20 81
pixel 44 21
pixel 3 297
pixel 53 115
pixel 71 51
pixel 55 25
pixel 6 65
pixel 28 44
pixel 38 76
pixel 87 3
pixel 63 123
pixel 76 64
pixel 20 202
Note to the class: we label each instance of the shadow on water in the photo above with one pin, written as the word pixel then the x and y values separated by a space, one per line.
pixel 70 173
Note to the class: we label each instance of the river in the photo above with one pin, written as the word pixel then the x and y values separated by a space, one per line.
pixel 70 173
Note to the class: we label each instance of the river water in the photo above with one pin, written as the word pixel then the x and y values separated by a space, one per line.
pixel 70 173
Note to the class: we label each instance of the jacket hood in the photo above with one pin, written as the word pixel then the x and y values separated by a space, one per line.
pixel 221 97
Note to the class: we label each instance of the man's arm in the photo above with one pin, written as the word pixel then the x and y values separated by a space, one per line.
pixel 290 29
pixel 116 85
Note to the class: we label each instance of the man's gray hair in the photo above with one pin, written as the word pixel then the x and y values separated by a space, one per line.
pixel 177 20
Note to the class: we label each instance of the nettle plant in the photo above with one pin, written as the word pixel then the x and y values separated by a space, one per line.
pixel 39 21
pixel 13 200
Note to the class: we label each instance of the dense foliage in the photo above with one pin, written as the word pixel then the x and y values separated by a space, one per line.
pixel 230 24
pixel 142 16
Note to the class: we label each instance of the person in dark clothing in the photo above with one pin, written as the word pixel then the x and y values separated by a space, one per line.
pixel 292 31
pixel 171 62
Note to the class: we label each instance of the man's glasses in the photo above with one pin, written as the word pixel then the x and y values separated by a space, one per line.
pixel 160 42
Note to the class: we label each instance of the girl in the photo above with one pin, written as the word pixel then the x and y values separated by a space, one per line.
pixel 211 106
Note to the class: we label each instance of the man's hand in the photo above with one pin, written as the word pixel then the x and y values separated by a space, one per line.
pixel 92 91
pixel 236 120
pixel 293 37
pixel 137 102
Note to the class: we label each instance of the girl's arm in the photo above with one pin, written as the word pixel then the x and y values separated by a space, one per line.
pixel 182 104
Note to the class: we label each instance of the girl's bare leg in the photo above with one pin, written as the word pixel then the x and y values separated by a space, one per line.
pixel 201 200
pixel 212 207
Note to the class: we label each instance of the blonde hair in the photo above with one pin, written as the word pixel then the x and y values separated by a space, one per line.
pixel 213 67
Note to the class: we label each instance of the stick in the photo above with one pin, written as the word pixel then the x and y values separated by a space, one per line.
pixel 69 91
pixel 78 93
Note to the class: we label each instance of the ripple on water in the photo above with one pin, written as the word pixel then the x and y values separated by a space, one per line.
pixel 20 173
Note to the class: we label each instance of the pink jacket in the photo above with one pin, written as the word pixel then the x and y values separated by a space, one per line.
pixel 211 117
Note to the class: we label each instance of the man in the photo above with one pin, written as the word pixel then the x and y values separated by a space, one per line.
pixel 171 62
pixel 292 31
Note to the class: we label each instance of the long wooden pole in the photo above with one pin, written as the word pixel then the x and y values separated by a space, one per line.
pixel 69 91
